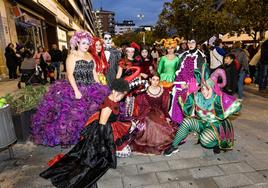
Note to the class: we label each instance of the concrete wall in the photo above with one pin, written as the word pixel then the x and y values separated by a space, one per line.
pixel 7 33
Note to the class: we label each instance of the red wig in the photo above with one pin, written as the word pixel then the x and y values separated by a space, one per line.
pixel 99 58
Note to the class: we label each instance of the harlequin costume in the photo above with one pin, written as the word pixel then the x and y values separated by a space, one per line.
pixel 210 120
pixel 193 62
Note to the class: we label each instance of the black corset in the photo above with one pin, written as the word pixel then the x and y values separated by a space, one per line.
pixel 83 72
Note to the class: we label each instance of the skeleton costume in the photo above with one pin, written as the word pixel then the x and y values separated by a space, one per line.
pixel 113 56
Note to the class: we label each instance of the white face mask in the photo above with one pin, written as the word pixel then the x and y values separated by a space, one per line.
pixel 191 46
pixel 83 45
pixel 107 41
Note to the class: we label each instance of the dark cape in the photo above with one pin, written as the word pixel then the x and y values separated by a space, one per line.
pixel 90 158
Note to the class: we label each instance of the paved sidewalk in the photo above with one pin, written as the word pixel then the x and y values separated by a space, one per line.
pixel 8 86
pixel 253 88
pixel 192 167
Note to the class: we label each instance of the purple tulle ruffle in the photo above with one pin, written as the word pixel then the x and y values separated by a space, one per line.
pixel 60 117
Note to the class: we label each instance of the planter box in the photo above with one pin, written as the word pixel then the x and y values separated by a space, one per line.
pixel 22 123
pixel 7 133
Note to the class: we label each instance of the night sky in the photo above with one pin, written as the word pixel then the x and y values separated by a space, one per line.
pixel 129 9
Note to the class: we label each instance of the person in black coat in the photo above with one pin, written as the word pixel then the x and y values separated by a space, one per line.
pixel 231 74
pixel 64 57
pixel 263 67
pixel 11 61
pixel 56 58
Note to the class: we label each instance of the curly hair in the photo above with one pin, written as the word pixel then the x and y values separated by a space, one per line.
pixel 99 58
pixel 120 85
pixel 78 36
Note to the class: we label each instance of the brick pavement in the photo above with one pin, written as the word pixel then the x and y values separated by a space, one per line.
pixel 192 167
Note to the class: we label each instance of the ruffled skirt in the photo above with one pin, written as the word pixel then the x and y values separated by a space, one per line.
pixel 156 136
pixel 60 117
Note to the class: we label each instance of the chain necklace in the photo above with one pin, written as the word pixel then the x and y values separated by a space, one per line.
pixel 155 95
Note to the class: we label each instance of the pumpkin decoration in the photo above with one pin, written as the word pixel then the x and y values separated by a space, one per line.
pixel 247 80
pixel 51 74
pixel 166 84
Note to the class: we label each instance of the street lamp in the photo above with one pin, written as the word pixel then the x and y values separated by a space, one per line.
pixel 141 17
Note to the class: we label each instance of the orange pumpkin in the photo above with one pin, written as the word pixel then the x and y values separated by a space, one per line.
pixel 247 80
pixel 51 74
pixel 166 84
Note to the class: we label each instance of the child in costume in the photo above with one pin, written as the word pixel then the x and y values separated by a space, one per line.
pixel 207 114
pixel 50 72
pixel 231 74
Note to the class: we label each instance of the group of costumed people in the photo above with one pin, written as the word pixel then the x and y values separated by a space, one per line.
pixel 110 106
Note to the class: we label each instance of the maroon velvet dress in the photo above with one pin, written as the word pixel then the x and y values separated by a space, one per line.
pixel 157 134
pixel 145 67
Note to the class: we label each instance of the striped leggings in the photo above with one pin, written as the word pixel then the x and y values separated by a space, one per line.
pixel 207 136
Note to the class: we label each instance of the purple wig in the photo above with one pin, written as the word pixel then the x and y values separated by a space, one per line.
pixel 78 36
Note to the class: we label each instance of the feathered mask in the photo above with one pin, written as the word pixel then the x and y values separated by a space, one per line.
pixel 170 43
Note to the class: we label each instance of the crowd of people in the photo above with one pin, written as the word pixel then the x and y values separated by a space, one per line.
pixel 239 61
pixel 116 101
pixel 48 61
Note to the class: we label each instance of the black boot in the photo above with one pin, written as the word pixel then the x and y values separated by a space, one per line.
pixel 102 138
pixel 216 150
pixel 169 151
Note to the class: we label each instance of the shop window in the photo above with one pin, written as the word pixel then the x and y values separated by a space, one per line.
pixel 29 34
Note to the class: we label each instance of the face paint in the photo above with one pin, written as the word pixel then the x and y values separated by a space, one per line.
pixel 107 40
pixel 83 45
pixel 191 44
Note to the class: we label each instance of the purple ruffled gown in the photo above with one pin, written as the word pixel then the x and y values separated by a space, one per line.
pixel 60 117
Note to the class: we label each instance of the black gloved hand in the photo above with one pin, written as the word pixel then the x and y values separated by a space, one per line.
pixel 102 129
pixel 118 142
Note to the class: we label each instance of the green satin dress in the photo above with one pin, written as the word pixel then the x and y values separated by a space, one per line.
pixel 167 68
